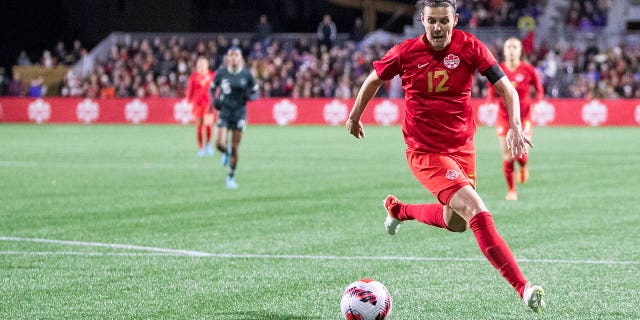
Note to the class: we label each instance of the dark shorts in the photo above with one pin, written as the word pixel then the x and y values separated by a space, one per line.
pixel 232 123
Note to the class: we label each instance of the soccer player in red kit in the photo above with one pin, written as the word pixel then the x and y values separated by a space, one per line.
pixel 436 69
pixel 198 95
pixel 522 75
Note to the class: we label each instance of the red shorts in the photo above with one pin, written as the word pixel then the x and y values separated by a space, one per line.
pixel 502 126
pixel 443 174
pixel 200 110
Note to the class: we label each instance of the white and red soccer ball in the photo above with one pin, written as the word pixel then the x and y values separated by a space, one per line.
pixel 366 299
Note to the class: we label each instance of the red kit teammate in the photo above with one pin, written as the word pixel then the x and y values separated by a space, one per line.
pixel 522 75
pixel 198 95
pixel 436 71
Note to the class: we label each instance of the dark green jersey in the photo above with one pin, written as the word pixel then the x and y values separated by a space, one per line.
pixel 235 90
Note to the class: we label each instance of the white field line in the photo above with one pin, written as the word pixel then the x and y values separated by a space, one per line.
pixel 84 253
pixel 156 251
pixel 106 165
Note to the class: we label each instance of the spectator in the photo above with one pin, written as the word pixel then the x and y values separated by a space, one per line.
pixel 358 32
pixel 16 86
pixel 60 53
pixel 263 31
pixel 75 53
pixel 47 60
pixel 37 89
pixel 107 90
pixel 23 59
pixel 327 31
pixel 4 82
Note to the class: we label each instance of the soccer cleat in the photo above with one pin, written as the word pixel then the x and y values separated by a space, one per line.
pixel 523 174
pixel 209 149
pixel 391 223
pixel 512 195
pixel 231 183
pixel 201 152
pixel 533 297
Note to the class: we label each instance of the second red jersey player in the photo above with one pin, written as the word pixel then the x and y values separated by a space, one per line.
pixel 198 95
pixel 523 76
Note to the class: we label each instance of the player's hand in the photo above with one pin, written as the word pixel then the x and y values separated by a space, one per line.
pixel 355 128
pixel 518 142
pixel 217 104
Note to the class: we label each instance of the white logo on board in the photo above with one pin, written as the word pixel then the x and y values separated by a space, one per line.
pixel 182 112
pixel 136 111
pixel 87 111
pixel 594 113
pixel 487 113
pixel 543 113
pixel 285 112
pixel 637 114
pixel 386 113
pixel 39 111
pixel 335 113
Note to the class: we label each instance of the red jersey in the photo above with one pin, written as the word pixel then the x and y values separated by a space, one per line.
pixel 198 88
pixel 522 78
pixel 437 85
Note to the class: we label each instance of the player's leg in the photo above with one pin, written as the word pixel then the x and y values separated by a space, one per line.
pixel 397 212
pixel 198 124
pixel 236 137
pixel 436 173
pixel 508 169
pixel 467 204
pixel 523 172
pixel 502 126
pixel 208 121
pixel 220 135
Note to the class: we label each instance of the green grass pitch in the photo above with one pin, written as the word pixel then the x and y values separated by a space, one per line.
pixel 126 222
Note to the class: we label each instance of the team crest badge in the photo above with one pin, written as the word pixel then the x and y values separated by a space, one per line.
pixel 519 77
pixel 451 61
pixel 452 174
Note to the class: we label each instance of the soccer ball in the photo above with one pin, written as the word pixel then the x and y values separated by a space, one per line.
pixel 366 299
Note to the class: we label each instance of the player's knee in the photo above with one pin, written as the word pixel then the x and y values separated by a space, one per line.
pixel 457 227
pixel 454 221
pixel 234 148
pixel 457 224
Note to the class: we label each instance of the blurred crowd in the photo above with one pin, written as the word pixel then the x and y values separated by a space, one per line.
pixel 587 15
pixel 60 55
pixel 498 13
pixel 319 66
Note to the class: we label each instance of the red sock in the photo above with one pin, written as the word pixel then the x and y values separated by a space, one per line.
pixel 507 167
pixel 207 130
pixel 496 250
pixel 523 160
pixel 199 135
pixel 430 214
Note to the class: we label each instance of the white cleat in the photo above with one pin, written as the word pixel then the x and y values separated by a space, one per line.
pixel 533 297
pixel 391 224
pixel 231 183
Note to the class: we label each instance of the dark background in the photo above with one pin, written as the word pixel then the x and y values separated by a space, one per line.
pixel 37 25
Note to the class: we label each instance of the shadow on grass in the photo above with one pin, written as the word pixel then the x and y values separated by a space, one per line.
pixel 260 315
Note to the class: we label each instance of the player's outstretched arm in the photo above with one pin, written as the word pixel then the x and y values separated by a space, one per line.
pixel 367 91
pixel 517 142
